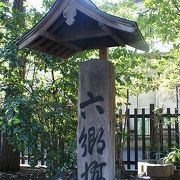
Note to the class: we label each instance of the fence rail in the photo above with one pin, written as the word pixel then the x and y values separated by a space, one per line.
pixel 140 129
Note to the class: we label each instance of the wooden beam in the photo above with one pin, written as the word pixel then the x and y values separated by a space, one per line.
pixel 104 53
pixel 80 35
pixel 113 35
pixel 60 51
pixel 39 41
pixel 57 24
pixel 57 52
pixel 54 48
pixel 57 40
pixel 67 54
pixel 48 45
pixel 42 49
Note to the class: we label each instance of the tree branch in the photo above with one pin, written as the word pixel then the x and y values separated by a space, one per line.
pixel 176 6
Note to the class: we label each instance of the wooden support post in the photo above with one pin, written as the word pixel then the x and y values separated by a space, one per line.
pixel 104 53
pixel 96 126
pixel 143 135
pixel 128 141
pixel 136 137
pixel 152 131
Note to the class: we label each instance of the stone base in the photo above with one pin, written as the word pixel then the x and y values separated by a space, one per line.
pixel 176 175
pixel 155 170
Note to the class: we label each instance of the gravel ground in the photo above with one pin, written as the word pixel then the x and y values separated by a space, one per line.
pixel 25 173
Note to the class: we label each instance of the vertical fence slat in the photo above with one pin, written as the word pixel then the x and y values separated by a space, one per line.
pixel 165 136
pixel 161 134
pixel 143 134
pixel 42 154
pixel 22 157
pixel 135 138
pixel 169 128
pixel 128 142
pixel 0 139
pixel 152 125
pixel 29 157
pixel 177 128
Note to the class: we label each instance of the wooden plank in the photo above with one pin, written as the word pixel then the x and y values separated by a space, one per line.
pixel 68 53
pixel 57 24
pixel 0 139
pixel 42 49
pixel 161 132
pixel 177 128
pixel 29 156
pixel 39 41
pixel 104 53
pixel 42 154
pixel 57 40
pixel 96 126
pixel 114 36
pixel 128 142
pixel 152 126
pixel 54 48
pixel 79 36
pixel 22 157
pixel 143 135
pixel 169 128
pixel 135 138
pixel 48 44
pixel 60 52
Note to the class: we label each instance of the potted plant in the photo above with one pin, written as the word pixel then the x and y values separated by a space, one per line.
pixel 173 157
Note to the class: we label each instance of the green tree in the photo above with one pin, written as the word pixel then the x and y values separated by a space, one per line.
pixel 10 157
pixel 39 112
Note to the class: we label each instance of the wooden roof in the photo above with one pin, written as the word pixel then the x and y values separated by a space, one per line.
pixel 72 26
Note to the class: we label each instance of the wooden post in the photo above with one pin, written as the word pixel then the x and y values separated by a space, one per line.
pixel 96 126
pixel 143 134
pixel 128 141
pixel 169 128
pixel 136 137
pixel 152 131
pixel 104 53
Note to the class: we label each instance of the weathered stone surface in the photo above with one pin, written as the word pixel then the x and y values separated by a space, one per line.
pixel 142 176
pixel 157 170
pixel 96 126
pixel 142 167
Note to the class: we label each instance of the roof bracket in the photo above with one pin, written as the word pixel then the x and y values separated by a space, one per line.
pixel 114 36
pixel 69 14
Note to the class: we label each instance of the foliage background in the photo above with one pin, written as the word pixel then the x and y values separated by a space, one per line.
pixel 39 92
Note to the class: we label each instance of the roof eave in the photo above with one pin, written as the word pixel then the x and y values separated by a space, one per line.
pixel 87 9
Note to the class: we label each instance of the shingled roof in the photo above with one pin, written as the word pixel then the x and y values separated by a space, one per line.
pixel 72 26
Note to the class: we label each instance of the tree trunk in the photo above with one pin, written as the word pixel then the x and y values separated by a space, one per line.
pixel 18 5
pixel 10 158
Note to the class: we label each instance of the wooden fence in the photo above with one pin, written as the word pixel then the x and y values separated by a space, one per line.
pixel 140 126
pixel 140 131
